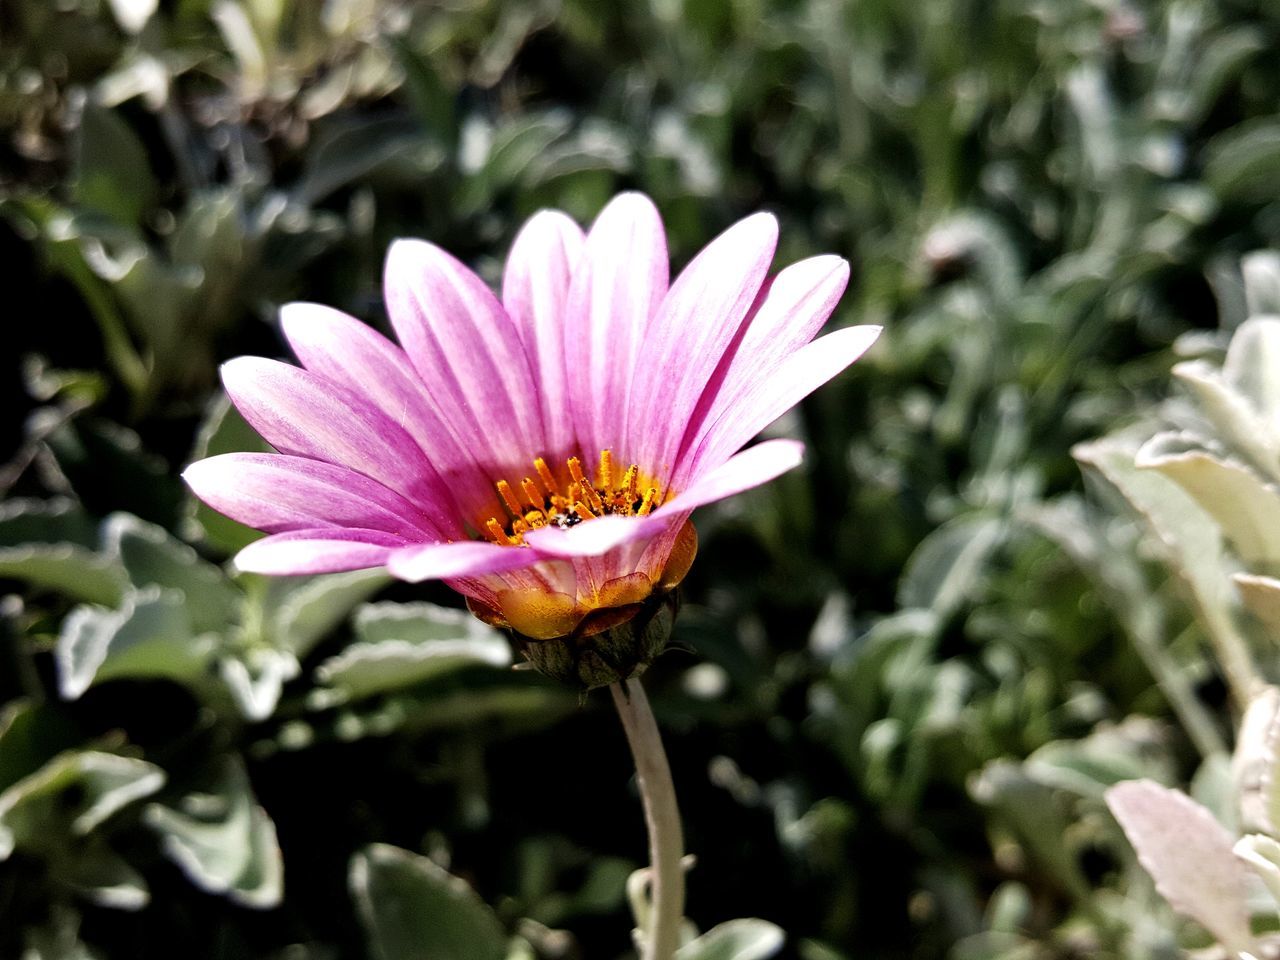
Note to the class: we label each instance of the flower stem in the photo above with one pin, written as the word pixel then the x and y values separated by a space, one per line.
pixel 661 814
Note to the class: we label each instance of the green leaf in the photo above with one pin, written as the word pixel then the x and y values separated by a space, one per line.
pixel 1107 756
pixel 1192 544
pixel 948 564
pixel 222 839
pixel 67 569
pixel 255 677
pixel 56 521
pixel 111 173
pixel 1262 853
pixel 298 612
pixel 1261 595
pixel 1239 425
pixel 402 645
pixel 1252 365
pixel 1261 271
pixel 1255 765
pixel 413 909
pixel 149 635
pixel 1243 162
pixel 735 940
pixel 51 544
pixel 70 796
pixel 110 471
pixel 99 874
pixel 365 669
pixel 154 558
pixel 1188 854
pixel 1245 507
pixel 30 735
pixel 58 938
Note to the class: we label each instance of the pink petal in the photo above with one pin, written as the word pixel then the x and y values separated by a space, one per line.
pixel 467 352
pixel 787 314
pixel 770 397
pixel 461 558
pixel 592 538
pixel 617 288
pixel 354 355
pixel 748 469
pixel 535 292
pixel 325 550
pixel 276 493
pixel 301 413
pixel 698 321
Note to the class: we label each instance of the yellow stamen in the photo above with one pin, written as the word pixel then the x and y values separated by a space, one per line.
pixel 629 484
pixel 531 493
pixel 611 494
pixel 646 504
pixel 544 474
pixel 509 497
pixel 604 476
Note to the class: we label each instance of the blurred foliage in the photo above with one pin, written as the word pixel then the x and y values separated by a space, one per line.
pixel 920 662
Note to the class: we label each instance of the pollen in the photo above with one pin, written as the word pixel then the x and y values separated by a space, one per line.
pixel 586 498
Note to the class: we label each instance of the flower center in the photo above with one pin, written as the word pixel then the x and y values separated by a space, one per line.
pixel 544 503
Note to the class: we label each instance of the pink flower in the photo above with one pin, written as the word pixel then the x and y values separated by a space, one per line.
pixel 541 453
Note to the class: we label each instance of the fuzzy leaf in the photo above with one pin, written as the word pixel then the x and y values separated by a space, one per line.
pixel 70 796
pixel 222 840
pixel 1189 856
pixel 1261 595
pixel 150 635
pixel 735 940
pixel 301 611
pixel 413 909
pixel 1244 506
pixel 1262 853
pixel 153 557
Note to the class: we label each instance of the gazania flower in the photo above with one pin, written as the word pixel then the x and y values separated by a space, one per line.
pixel 540 453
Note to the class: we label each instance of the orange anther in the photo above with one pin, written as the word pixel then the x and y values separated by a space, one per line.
pixel 604 475
pixel 647 503
pixel 629 484
pixel 535 519
pixel 496 532
pixel 531 492
pixel 581 510
pixel 544 474
pixel 509 497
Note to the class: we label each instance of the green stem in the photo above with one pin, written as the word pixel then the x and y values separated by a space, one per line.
pixel 662 816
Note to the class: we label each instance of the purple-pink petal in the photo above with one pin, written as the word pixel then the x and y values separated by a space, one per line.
pixel 325 550
pixel 616 293
pixel 750 468
pixel 277 493
pixel 595 537
pixel 768 398
pixel 461 558
pixel 787 314
pixel 535 292
pixel 302 413
pixel 466 350
pixel 696 324
pixel 357 357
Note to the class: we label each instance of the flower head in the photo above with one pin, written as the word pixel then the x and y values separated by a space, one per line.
pixel 541 452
